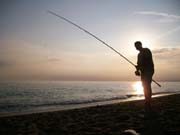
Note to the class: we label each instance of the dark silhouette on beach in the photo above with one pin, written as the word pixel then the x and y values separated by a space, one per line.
pixel 145 69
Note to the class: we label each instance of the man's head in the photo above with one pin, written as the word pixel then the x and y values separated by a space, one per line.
pixel 138 45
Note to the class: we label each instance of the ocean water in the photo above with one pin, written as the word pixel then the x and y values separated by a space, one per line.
pixel 21 97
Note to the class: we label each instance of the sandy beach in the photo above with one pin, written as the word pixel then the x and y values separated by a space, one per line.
pixel 111 119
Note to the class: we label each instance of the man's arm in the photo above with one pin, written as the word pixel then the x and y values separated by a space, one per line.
pixel 138 66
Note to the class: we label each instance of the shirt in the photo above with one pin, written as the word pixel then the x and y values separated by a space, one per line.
pixel 145 61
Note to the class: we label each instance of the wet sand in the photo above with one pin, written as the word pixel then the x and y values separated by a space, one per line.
pixel 111 119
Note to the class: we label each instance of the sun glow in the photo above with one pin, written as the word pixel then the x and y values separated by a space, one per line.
pixel 138 88
pixel 144 38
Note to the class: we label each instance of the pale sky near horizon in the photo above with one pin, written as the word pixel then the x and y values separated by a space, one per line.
pixel 35 45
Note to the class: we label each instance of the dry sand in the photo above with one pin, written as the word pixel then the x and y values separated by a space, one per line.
pixel 111 119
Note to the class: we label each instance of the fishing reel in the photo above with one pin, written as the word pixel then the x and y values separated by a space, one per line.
pixel 137 73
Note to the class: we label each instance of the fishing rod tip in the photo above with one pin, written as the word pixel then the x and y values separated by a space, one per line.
pixel 49 11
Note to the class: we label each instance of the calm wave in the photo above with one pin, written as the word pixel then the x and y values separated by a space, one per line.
pixel 28 96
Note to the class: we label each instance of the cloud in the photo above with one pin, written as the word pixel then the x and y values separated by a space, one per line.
pixel 158 14
pixel 167 33
pixel 167 65
pixel 167 54
pixel 54 60
pixel 162 17
pixel 4 64
pixel 163 50
pixel 173 51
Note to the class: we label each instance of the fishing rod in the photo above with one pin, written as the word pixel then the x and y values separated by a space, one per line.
pixel 67 20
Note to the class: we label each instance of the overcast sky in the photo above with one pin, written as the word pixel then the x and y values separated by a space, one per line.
pixel 35 45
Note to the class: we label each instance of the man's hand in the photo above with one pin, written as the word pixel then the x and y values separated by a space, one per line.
pixel 137 73
pixel 137 68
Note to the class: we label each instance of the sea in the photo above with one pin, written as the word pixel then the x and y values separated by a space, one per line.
pixel 41 96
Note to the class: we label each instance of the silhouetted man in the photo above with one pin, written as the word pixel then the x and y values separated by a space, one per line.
pixel 145 69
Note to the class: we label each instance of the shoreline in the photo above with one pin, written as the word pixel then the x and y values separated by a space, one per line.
pixel 83 105
pixel 112 119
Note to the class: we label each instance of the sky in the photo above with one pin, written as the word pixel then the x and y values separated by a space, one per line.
pixel 35 45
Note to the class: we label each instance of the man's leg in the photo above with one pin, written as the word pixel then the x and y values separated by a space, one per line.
pixel 147 93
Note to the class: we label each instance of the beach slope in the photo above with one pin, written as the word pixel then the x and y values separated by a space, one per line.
pixel 111 119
